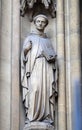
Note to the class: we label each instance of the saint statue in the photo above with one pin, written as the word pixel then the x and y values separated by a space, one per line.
pixel 39 74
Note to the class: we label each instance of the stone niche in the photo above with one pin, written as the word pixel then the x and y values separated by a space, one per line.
pixel 26 27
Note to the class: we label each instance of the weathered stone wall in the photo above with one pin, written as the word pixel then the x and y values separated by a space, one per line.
pixel 64 31
pixel 9 64
pixel 5 64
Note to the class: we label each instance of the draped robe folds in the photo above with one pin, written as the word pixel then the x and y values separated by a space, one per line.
pixel 38 79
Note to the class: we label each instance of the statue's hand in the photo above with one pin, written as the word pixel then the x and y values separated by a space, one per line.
pixel 51 59
pixel 30 45
pixel 27 47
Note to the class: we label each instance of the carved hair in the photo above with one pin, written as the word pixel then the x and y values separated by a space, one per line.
pixel 41 15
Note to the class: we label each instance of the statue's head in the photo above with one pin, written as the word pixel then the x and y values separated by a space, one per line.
pixel 40 21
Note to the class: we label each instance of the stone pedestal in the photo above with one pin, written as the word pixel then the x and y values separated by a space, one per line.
pixel 38 126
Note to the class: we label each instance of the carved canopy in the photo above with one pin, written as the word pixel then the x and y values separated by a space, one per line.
pixel 49 5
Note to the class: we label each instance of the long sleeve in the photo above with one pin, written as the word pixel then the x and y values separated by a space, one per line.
pixel 27 46
pixel 24 60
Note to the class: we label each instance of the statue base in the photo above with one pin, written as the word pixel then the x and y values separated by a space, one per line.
pixel 38 126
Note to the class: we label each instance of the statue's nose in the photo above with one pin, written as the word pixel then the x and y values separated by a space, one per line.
pixel 40 23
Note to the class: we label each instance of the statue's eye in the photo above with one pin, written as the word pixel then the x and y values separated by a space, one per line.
pixel 38 21
pixel 43 22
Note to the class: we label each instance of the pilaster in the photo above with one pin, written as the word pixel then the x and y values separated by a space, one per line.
pixel 61 65
pixel 9 64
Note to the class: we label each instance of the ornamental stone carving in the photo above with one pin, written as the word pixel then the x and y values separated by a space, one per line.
pixel 48 5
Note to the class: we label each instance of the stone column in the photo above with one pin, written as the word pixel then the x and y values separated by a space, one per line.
pixel 72 56
pixel 0 60
pixel 68 65
pixel 9 65
pixel 5 65
pixel 74 24
pixel 61 64
pixel 75 40
pixel 15 76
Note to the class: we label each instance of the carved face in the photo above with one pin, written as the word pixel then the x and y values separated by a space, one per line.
pixel 40 23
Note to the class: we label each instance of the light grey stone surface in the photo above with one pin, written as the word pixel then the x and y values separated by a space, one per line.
pixel 38 126
pixel 9 60
pixel 5 66
pixel 15 66
pixel 68 53
pixel 61 64
pixel 68 65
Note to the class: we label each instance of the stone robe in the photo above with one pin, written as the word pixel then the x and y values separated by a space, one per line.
pixel 39 79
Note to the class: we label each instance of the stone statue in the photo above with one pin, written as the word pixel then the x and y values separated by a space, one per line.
pixel 39 74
